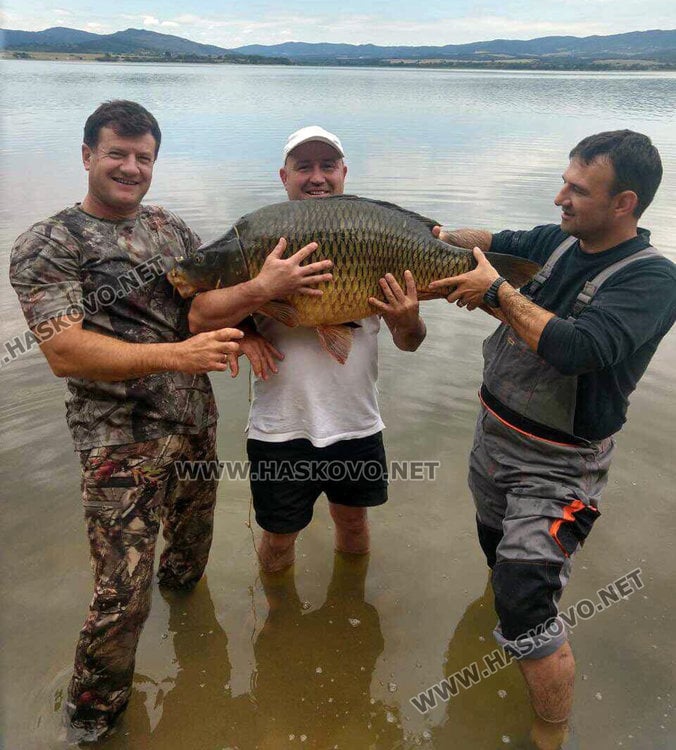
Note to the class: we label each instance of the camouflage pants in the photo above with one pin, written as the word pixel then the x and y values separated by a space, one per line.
pixel 127 490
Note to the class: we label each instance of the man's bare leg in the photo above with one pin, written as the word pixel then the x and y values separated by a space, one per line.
pixel 276 551
pixel 352 529
pixel 550 684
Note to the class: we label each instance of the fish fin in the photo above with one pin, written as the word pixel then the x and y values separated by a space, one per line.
pixel 284 312
pixel 418 217
pixel 516 270
pixel 336 340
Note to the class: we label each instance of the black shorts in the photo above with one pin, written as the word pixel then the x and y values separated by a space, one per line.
pixel 287 478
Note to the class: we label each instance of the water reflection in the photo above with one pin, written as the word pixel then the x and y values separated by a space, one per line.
pixel 197 710
pixel 314 667
pixel 311 684
pixel 495 711
pixel 496 707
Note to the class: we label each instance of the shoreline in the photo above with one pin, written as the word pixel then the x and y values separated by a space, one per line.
pixel 522 64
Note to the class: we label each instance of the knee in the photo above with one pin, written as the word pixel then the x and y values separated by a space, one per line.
pixel 349 520
pixel 278 544
pixel 525 595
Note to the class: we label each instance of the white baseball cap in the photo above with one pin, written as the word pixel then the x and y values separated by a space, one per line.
pixel 312 133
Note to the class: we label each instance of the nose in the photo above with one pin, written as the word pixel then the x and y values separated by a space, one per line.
pixel 561 197
pixel 129 165
pixel 317 176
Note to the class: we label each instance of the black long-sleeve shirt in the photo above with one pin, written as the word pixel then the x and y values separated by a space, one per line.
pixel 611 343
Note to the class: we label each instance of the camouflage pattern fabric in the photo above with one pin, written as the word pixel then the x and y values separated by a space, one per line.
pixel 113 273
pixel 127 491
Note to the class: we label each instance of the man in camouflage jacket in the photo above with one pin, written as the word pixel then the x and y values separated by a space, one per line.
pixel 91 283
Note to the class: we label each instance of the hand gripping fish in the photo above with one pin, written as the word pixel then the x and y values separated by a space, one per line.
pixel 364 238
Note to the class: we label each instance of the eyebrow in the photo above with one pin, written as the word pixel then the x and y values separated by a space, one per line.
pixel 300 162
pixel 123 150
pixel 574 184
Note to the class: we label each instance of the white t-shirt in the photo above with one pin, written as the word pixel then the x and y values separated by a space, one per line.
pixel 313 396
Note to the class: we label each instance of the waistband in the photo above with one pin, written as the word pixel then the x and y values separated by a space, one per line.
pixel 528 426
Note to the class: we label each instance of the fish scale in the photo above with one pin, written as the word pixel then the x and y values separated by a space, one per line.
pixel 364 238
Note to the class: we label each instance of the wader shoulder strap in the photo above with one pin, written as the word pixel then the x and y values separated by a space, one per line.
pixel 590 288
pixel 545 272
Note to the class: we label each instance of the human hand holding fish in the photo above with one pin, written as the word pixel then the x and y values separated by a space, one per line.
pixel 401 311
pixel 280 277
pixel 469 288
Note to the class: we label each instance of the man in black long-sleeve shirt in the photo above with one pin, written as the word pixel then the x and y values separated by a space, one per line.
pixel 558 372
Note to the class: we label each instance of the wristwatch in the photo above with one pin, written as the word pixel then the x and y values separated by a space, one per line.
pixel 491 296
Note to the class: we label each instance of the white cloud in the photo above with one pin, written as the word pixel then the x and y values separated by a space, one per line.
pixel 367 28
pixel 190 19
pixel 274 27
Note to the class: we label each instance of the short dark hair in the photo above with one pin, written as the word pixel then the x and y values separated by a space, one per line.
pixel 126 118
pixel 635 160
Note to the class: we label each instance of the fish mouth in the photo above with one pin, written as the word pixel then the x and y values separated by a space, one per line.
pixel 178 280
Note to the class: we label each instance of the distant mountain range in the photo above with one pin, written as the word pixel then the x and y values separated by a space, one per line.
pixel 637 48
pixel 131 41
pixel 632 44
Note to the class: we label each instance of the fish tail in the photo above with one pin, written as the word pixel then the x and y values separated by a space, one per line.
pixel 518 271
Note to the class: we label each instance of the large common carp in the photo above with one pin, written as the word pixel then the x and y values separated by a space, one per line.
pixel 364 238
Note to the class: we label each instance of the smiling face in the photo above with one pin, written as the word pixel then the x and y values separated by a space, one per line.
pixel 313 170
pixel 590 210
pixel 120 171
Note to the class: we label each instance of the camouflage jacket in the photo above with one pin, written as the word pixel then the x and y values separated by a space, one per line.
pixel 113 273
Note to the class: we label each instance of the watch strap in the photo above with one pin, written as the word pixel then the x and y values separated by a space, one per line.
pixel 491 297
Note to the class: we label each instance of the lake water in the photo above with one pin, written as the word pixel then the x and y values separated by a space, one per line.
pixel 331 656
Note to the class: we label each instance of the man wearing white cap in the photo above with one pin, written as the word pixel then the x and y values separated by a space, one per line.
pixel 313 164
pixel 315 409
pixel 316 418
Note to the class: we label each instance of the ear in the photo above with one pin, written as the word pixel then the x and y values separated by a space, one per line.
pixel 626 202
pixel 283 175
pixel 86 156
pixel 344 170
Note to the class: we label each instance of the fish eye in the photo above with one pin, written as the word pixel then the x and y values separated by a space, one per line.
pixel 198 259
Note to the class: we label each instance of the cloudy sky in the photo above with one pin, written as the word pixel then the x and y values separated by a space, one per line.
pixel 230 24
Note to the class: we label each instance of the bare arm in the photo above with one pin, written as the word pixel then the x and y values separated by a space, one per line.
pixel 524 316
pixel 278 278
pixel 468 238
pixel 401 313
pixel 225 307
pixel 75 352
